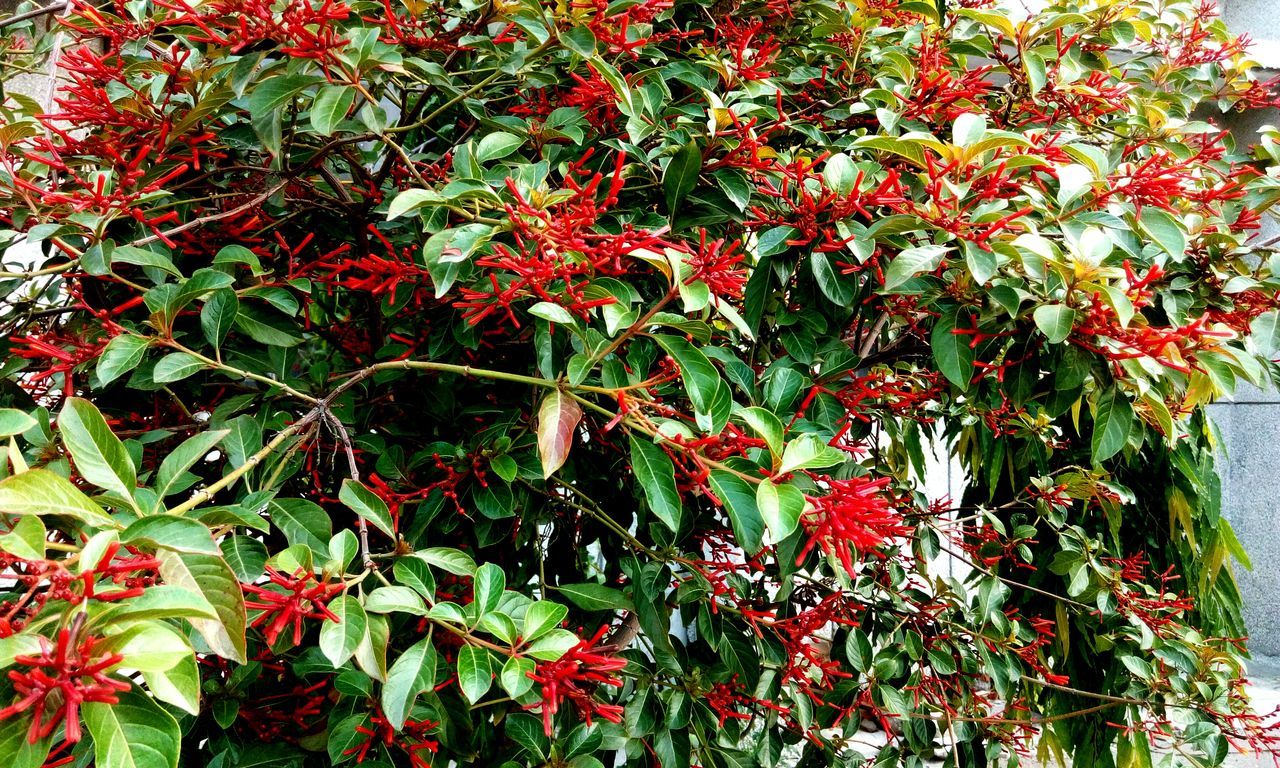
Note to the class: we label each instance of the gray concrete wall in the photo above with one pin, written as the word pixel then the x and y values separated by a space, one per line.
pixel 1249 421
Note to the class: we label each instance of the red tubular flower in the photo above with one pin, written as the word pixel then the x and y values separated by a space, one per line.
pixel 856 515
pixel 303 597
pixel 412 738
pixel 59 680
pixel 564 678
pixel 716 264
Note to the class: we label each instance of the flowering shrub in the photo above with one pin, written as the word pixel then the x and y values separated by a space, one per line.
pixel 519 383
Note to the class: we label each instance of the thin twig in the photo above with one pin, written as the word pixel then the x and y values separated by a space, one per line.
pixel 21 17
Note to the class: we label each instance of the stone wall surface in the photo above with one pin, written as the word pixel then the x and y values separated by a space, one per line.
pixel 1249 421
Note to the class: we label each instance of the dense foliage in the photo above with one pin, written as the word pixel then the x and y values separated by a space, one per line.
pixel 506 382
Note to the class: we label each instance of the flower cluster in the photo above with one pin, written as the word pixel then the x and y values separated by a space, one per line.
pixel 573 678
pixel 67 673
pixel 289 600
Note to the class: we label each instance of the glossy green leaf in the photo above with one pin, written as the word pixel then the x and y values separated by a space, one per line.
pixel 780 508
pixel 133 733
pixel 656 475
pixel 98 454
pixel 339 639
pixel 41 492
pixel 211 578
pixel 367 505
pixel 475 675
pixel 413 672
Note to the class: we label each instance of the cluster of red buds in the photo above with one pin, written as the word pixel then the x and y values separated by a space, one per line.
pixel 619 29
pixel 753 52
pixel 988 546
pixel 303 29
pixel 412 738
pixel 289 600
pixel 573 678
pixel 1167 182
pixel 717 263
pixel 298 710
pixel 729 702
pixel 1152 602
pixel 557 249
pixel 853 516
pixel 885 391
pixel 1194 43
pixel 805 639
pixel 941 93
pixel 45 580
pixel 813 209
pixel 422 29
pixel 590 94
pixel 65 674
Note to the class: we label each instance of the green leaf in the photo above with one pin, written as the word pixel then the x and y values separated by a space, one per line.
pixel 596 597
pixel 330 107
pixel 581 40
pixel 1055 321
pixel 657 477
pixel 367 505
pixel 542 616
pixel 339 640
pixel 15 422
pixel 447 559
pixel 178 534
pixel 184 457
pixel 1265 331
pixel 411 200
pixel 179 685
pixel 143 257
pixel 911 262
pixel 765 424
pixel 41 492
pixel 514 676
pixel 121 355
pixel 133 733
pixel 247 557
pixel 414 573
pixel 834 286
pixel 371 654
pixel 809 452
pixel 1112 421
pixel 263 328
pixel 175 366
pixel 951 351
pixel 395 599
pixel 840 174
pixel 681 175
pixel 303 522
pixel 17 750
pixel 553 645
pixel 558 418
pixel 780 508
pixel 150 646
pixel 26 539
pixel 99 455
pixel 163 601
pixel 1162 227
pixel 475 675
pixel 274 92
pixel 410 675
pixel 490 581
pixel 739 500
pixel 700 376
pixel 497 145
pixel 968 129
pixel 218 315
pixel 211 577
